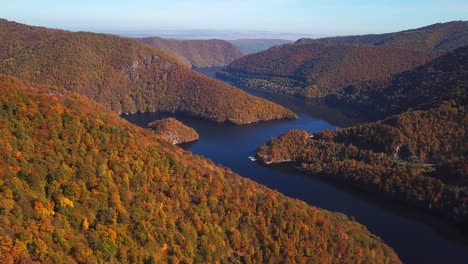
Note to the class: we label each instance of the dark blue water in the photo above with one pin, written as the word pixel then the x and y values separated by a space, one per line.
pixel 416 236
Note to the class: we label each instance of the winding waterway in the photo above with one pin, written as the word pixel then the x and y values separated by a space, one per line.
pixel 416 236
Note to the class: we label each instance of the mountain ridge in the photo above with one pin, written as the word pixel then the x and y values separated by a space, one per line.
pixel 198 53
pixel 317 69
pixel 124 74
pixel 443 79
pixel 435 37
pixel 320 67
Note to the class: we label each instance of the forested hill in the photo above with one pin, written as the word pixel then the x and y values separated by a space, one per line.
pixel 317 69
pixel 418 157
pixel 320 67
pixel 442 79
pixel 437 37
pixel 417 154
pixel 81 185
pixel 126 75
pixel 174 131
pixel 198 53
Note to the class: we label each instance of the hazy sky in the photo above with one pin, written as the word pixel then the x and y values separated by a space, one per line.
pixel 321 17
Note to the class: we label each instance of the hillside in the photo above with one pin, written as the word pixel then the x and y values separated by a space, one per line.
pixel 442 79
pixel 417 154
pixel 81 185
pixel 418 157
pixel 174 131
pixel 124 74
pixel 198 53
pixel 249 46
pixel 437 37
pixel 315 70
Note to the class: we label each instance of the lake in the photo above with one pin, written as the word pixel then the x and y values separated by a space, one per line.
pixel 416 236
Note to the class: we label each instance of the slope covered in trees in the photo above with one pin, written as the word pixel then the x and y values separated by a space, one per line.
pixel 314 70
pixel 442 79
pixel 81 185
pixel 174 131
pixel 198 53
pixel 436 37
pixel 419 157
pixel 124 74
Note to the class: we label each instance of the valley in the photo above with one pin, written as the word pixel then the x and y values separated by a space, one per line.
pixel 136 148
pixel 418 237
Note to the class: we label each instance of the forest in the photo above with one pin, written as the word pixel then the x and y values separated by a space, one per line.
pixel 342 66
pixel 418 157
pixel 442 79
pixel 124 74
pixel 198 53
pixel 174 131
pixel 316 69
pixel 437 37
pixel 81 185
pixel 417 153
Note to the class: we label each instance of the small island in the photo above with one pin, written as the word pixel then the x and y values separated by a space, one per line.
pixel 174 131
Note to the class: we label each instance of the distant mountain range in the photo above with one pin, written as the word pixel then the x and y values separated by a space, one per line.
pixel 198 53
pixel 249 46
pixel 204 34
pixel 124 74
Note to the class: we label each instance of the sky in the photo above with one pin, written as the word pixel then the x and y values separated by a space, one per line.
pixel 315 17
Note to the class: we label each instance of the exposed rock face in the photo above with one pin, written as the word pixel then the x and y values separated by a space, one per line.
pixel 174 131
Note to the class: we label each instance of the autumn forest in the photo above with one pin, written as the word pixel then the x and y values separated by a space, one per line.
pixel 82 182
